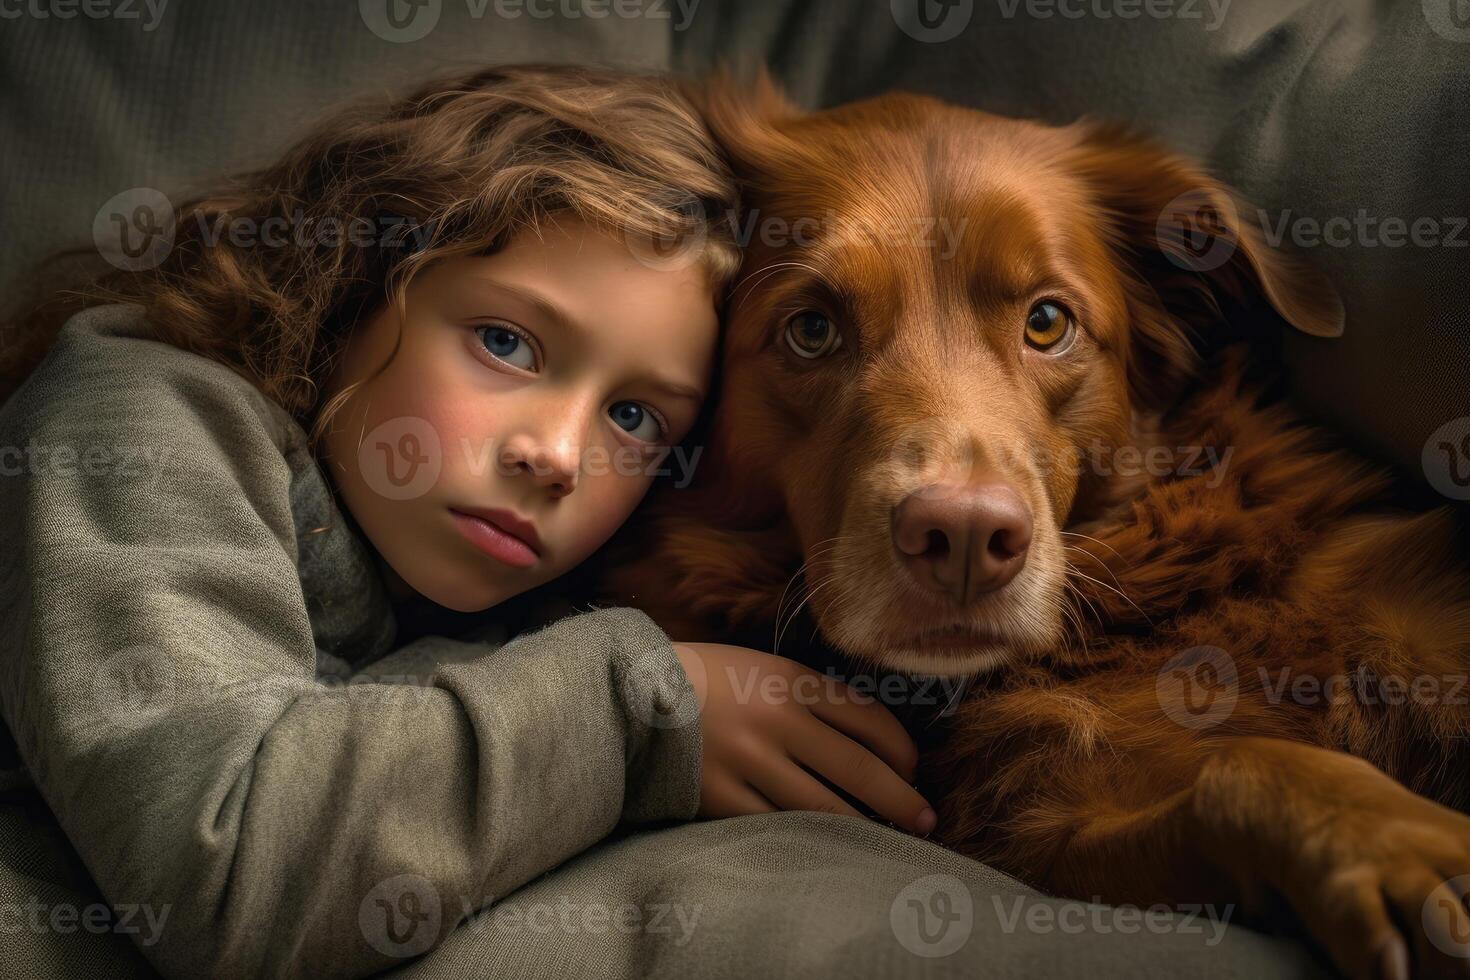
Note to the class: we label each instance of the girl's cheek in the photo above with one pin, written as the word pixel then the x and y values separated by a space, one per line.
pixel 616 497
pixel 449 429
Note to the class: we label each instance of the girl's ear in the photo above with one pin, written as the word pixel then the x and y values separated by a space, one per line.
pixel 745 118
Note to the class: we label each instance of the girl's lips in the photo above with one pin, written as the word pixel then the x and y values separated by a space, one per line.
pixel 494 540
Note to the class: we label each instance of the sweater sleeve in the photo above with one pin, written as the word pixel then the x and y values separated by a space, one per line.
pixel 157 669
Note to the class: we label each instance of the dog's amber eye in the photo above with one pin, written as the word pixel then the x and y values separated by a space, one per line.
pixel 810 334
pixel 1048 326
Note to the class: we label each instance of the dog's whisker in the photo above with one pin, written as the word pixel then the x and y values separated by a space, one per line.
pixel 783 620
pixel 1120 592
pixel 1075 534
pixel 781 603
pixel 795 612
pixel 1074 595
pixel 784 623
pixel 959 692
pixel 1073 616
pixel 821 548
pixel 1106 568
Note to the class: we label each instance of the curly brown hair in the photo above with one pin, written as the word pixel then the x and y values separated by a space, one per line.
pixel 456 167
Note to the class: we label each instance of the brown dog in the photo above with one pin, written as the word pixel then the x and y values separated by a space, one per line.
pixel 1015 438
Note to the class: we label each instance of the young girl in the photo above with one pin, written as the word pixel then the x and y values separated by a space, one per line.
pixel 427 362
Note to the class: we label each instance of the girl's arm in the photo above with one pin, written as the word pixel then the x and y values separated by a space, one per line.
pixel 157 671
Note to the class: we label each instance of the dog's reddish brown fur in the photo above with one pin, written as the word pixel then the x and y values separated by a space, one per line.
pixel 1066 764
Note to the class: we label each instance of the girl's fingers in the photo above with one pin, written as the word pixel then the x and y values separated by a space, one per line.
pixel 862 775
pixel 791 787
pixel 869 722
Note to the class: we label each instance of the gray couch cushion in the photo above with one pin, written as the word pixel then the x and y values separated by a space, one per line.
pixel 97 107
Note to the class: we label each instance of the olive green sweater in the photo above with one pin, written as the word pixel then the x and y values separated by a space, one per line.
pixel 177 632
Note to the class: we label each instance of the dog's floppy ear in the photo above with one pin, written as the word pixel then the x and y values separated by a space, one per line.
pixel 1192 247
pixel 743 117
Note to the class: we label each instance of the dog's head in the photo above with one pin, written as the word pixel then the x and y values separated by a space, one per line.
pixel 942 315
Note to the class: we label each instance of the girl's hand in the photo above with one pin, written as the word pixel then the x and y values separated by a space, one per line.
pixel 765 717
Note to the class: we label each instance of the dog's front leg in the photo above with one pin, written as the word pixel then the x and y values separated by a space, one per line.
pixel 1371 870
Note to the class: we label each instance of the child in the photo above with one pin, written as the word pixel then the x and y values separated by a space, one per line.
pixel 283 451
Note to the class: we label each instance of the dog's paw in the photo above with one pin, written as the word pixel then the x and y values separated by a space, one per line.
pixel 1385 888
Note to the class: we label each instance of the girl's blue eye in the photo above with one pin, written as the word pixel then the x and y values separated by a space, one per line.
pixel 636 420
pixel 507 345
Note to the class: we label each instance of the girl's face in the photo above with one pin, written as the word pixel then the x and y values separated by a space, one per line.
pixel 544 382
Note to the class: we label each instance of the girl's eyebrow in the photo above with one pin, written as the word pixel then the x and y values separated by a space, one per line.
pixel 544 306
pixel 553 313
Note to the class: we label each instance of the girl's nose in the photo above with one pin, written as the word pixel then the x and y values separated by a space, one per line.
pixel 549 451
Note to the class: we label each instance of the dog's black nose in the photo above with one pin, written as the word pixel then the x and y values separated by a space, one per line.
pixel 962 539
